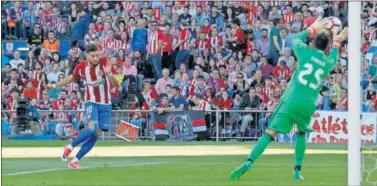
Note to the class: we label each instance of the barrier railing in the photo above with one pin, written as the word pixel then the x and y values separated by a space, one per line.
pixel 221 124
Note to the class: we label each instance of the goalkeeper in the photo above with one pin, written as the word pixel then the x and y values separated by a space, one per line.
pixel 298 102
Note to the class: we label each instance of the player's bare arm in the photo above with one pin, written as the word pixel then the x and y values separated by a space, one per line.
pixel 65 81
pixel 108 71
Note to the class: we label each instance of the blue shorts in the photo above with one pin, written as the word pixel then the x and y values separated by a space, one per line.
pixel 99 113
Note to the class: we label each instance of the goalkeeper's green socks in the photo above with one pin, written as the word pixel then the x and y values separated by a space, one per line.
pixel 299 151
pixel 259 147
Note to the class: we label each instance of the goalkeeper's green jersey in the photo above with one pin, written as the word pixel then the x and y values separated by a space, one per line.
pixel 313 66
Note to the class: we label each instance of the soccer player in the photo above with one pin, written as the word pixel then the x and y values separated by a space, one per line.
pixel 298 102
pixel 97 76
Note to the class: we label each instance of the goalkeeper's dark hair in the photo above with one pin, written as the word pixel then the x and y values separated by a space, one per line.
pixel 91 48
pixel 321 41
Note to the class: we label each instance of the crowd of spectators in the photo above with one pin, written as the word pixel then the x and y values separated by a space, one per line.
pixel 177 55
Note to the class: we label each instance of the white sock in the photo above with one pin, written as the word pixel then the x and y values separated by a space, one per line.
pixel 75 159
pixel 70 146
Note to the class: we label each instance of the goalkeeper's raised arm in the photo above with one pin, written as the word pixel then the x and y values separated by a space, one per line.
pixel 298 39
pixel 336 43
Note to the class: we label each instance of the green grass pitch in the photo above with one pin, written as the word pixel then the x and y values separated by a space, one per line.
pixel 318 169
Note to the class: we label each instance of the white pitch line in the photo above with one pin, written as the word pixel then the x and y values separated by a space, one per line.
pixel 89 167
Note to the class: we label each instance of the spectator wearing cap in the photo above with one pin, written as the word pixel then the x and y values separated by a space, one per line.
pixel 183 45
pixel 155 40
pixel 51 44
pixel 275 42
pixel 177 100
pixel 140 37
pixel 249 102
pixel 16 60
pixel 282 71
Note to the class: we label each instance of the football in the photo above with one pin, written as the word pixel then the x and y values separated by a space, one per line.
pixel 333 23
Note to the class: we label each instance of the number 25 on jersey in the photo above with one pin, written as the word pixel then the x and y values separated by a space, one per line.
pixel 304 75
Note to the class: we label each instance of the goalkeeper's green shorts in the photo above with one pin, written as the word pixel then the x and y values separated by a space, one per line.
pixel 283 119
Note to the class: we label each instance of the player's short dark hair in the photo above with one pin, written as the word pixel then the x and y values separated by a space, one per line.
pixel 91 48
pixel 131 18
pixel 14 70
pixel 321 41
pixel 264 30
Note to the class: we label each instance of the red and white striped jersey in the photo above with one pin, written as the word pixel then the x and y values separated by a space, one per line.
pixel 287 18
pixel 204 105
pixel 185 36
pixel 153 42
pixel 121 44
pixel 109 43
pixel 216 41
pixel 268 90
pixel 97 84
pixel 63 117
pixel 127 5
pixel 202 44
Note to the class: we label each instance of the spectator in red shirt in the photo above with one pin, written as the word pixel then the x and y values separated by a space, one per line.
pixel 225 103
pixel 206 27
pixel 239 39
pixel 167 42
pixel 282 71
pixel 30 92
